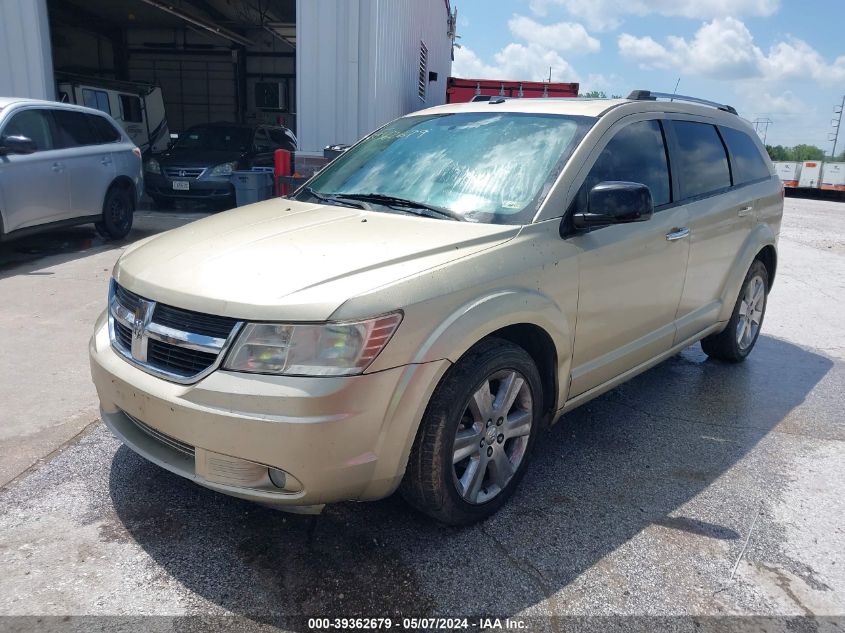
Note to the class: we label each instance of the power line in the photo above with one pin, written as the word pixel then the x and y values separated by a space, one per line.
pixel 835 123
pixel 766 123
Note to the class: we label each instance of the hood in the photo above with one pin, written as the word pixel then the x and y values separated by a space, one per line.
pixel 198 157
pixel 287 260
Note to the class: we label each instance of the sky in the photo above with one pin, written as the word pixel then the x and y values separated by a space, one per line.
pixel 783 60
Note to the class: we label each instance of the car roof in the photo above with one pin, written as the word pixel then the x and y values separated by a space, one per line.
pixel 19 101
pixel 5 101
pixel 579 106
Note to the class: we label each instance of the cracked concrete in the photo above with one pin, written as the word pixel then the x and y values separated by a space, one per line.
pixel 638 503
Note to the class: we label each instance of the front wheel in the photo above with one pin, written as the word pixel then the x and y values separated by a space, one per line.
pixel 476 435
pixel 118 211
pixel 736 341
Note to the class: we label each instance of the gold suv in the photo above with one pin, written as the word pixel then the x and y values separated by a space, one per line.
pixel 416 314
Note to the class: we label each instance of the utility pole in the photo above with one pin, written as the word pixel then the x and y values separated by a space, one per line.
pixel 763 122
pixel 834 136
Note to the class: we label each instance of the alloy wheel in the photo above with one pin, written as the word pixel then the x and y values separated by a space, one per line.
pixel 750 312
pixel 492 436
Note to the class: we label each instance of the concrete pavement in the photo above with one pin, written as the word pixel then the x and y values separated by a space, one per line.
pixel 53 287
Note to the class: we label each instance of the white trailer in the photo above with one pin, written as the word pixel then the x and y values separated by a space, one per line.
pixel 137 107
pixel 811 174
pixel 833 177
pixel 789 172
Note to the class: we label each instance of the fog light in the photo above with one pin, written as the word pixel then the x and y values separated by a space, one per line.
pixel 284 480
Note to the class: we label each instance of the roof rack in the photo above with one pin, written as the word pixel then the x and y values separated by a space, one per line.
pixel 647 95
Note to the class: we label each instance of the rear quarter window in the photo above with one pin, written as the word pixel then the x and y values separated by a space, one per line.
pixel 103 128
pixel 75 129
pixel 701 160
pixel 747 162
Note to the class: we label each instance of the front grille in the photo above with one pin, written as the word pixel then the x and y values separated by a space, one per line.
pixel 191 173
pixel 206 324
pixel 123 335
pixel 128 300
pixel 179 360
pixel 163 438
pixel 174 343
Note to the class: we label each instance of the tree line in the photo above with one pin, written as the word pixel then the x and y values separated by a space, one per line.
pixel 800 153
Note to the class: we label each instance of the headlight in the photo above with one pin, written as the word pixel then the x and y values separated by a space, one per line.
pixel 311 349
pixel 152 166
pixel 224 169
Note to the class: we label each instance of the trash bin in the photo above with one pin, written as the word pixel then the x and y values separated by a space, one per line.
pixel 252 185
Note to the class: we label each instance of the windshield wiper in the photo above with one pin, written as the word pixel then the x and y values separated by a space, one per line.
pixel 401 202
pixel 332 199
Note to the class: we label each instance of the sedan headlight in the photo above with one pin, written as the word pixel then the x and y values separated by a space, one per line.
pixel 224 169
pixel 152 166
pixel 311 349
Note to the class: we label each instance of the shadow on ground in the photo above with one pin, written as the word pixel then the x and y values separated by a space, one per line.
pixel 28 255
pixel 623 462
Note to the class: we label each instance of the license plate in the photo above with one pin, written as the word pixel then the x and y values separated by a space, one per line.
pixel 181 185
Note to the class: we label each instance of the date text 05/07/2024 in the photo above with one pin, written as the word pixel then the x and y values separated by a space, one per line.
pixel 413 624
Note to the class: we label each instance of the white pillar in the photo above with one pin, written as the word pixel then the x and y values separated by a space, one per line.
pixel 26 69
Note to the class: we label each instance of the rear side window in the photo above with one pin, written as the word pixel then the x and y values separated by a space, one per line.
pixel 103 128
pixel 746 160
pixel 637 153
pixel 702 163
pixel 97 99
pixel 75 129
pixel 130 108
pixel 33 124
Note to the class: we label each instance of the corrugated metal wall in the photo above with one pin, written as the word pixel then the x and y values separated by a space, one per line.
pixel 26 65
pixel 358 65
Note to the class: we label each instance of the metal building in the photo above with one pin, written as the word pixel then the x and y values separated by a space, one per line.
pixel 333 70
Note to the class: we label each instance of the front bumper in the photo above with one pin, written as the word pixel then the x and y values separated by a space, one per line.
pixel 162 187
pixel 342 438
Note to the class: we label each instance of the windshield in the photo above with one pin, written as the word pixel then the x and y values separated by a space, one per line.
pixel 478 166
pixel 216 137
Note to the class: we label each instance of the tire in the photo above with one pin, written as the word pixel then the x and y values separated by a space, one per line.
pixel 118 210
pixel 490 465
pixel 736 341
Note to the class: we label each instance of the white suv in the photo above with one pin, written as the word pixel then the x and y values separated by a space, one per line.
pixel 62 164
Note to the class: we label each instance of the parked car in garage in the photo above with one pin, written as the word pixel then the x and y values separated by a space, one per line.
pixel 64 164
pixel 426 305
pixel 199 163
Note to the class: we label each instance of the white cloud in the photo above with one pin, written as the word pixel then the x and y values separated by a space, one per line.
pixel 609 14
pixel 514 62
pixel 795 59
pixel 784 103
pixel 530 59
pixel 645 51
pixel 561 36
pixel 725 49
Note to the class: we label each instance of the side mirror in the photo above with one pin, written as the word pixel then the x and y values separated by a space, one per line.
pixel 614 202
pixel 16 144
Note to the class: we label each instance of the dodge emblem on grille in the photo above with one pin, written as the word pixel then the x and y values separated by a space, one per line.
pixel 143 316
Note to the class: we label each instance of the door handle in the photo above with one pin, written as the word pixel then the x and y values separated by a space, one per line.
pixel 745 211
pixel 105 160
pixel 677 234
pixel 57 167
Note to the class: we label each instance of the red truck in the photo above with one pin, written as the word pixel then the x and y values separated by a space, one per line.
pixel 459 90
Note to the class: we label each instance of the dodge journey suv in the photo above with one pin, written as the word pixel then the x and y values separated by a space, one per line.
pixel 419 311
